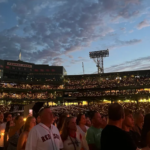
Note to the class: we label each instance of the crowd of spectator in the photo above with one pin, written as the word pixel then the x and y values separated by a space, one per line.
pixel 102 108
pixel 30 87
pixel 99 82
pixel 76 109
pixel 11 108
pixel 107 93
pixel 93 127
pixel 85 83
pixel 18 77
pixel 24 96
pixel 54 95
pixel 4 108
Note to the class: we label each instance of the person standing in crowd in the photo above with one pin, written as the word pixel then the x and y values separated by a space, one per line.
pixel 81 127
pixel 2 130
pixel 139 121
pixel 44 136
pixel 54 120
pixel 145 130
pixel 8 117
pixel 88 122
pixel 29 124
pixel 8 121
pixel 113 137
pixel 14 133
pixel 94 132
pixel 72 139
pixel 14 116
pixel 128 124
pixel 147 142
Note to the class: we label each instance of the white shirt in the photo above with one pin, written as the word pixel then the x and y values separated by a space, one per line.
pixel 43 138
pixel 81 131
pixel 75 143
pixel 2 131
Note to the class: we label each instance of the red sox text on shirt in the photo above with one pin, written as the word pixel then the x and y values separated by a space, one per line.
pixel 48 137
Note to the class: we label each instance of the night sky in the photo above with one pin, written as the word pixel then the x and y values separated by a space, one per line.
pixel 63 32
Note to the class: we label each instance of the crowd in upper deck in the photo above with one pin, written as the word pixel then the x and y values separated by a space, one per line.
pixel 107 93
pixel 85 83
pixel 41 95
pixel 30 87
pixel 99 82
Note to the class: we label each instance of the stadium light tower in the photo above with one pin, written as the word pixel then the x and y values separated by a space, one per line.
pixel 98 56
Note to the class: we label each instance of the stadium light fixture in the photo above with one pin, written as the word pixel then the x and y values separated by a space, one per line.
pixel 98 56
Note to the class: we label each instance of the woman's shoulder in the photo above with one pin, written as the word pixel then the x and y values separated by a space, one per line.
pixel 86 127
pixel 24 134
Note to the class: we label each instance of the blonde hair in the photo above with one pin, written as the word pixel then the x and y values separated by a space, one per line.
pixel 27 123
pixel 64 130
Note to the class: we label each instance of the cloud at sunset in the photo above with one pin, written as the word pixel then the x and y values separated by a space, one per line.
pixel 47 31
pixel 143 24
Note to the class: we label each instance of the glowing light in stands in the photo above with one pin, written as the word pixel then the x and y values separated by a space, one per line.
pixel 53 70
pixel 36 70
pixel 41 70
pixel 47 70
pixel 1 66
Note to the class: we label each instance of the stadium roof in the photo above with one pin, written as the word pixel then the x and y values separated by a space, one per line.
pixel 137 72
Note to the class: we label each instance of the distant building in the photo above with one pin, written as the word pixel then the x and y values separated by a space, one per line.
pixel 24 71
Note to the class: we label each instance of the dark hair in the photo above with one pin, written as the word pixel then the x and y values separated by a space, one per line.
pixel 79 118
pixel 8 114
pixel 127 112
pixel 93 114
pixel 115 112
pixel 61 121
pixel 145 130
pixel 17 117
pixel 137 113
pixel 7 126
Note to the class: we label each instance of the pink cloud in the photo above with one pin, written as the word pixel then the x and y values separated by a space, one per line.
pixel 143 24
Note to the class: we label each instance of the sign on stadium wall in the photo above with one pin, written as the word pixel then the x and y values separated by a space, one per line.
pixel 19 65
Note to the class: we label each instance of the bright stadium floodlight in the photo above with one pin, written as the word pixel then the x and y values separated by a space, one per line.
pixel 97 56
